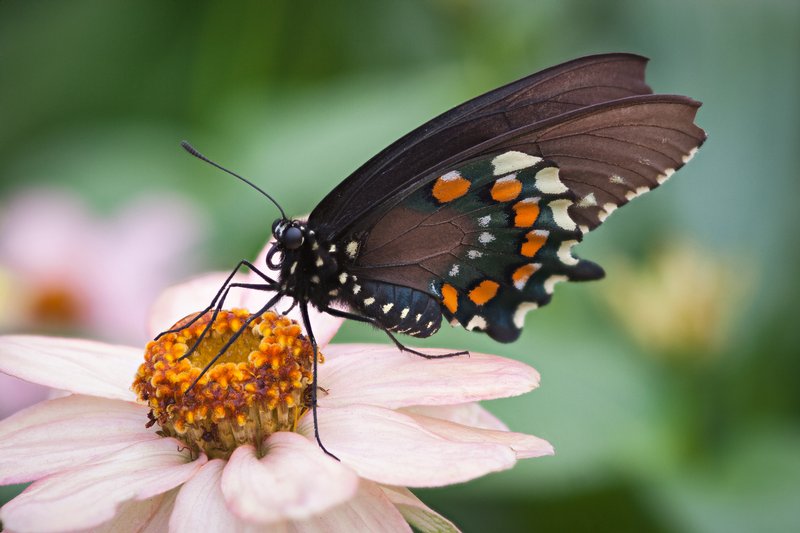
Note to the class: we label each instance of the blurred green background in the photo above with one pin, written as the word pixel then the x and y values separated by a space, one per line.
pixel 688 424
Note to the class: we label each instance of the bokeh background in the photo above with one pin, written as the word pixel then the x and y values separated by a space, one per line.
pixel 671 390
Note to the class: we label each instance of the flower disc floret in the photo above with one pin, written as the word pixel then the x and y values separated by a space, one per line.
pixel 255 388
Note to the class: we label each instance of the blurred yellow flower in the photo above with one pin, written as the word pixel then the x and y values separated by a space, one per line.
pixel 680 302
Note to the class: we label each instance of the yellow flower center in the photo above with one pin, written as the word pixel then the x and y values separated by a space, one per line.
pixel 257 387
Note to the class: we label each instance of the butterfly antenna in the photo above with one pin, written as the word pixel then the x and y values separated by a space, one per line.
pixel 191 149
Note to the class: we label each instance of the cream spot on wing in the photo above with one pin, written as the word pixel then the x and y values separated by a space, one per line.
pixel 352 249
pixel 404 313
pixel 319 262
pixel 484 221
pixel 550 282
pixel 332 249
pixel 474 254
pixel 293 268
pixel 454 270
pixel 315 279
pixel 476 322
pixel 616 178
pixel 522 310
pixel 548 181
pixel 588 201
pixel 343 278
pixel 665 176
pixel 561 215
pixel 369 301
pixel 565 253
pixel 512 161
pixel 688 157
pixel 388 307
pixel 356 289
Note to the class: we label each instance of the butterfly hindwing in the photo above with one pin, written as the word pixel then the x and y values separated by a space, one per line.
pixel 488 241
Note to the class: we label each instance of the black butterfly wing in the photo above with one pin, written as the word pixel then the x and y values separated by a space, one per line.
pixel 488 231
pixel 549 93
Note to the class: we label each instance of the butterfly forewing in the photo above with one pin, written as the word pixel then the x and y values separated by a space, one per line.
pixel 549 93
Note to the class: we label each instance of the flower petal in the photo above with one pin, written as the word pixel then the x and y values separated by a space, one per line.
pixel 200 505
pixel 370 510
pixel 467 414
pixel 417 513
pixel 525 446
pixel 392 448
pixel 188 298
pixel 75 365
pixel 294 480
pixel 145 516
pixel 16 394
pixel 90 495
pixel 381 375
pixel 64 433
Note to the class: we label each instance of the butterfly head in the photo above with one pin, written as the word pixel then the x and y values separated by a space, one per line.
pixel 289 234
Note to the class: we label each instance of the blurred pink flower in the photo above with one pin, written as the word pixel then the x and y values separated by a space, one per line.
pixel 68 269
pixel 394 420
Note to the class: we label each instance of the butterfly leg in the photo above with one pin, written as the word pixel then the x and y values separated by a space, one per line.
pixel 315 387
pixel 223 289
pixel 218 308
pixel 234 337
pixel 402 347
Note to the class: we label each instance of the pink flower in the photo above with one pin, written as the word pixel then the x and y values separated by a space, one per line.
pixel 394 420
pixel 65 268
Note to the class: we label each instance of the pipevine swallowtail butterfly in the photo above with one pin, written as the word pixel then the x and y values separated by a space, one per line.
pixel 472 216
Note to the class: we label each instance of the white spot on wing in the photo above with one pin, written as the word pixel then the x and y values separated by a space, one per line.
pixel 484 221
pixel 418 317
pixel 388 307
pixel 512 161
pixel 404 313
pixel 550 283
pixel 369 301
pixel 315 279
pixel 690 155
pixel 561 215
pixel 319 262
pixel 565 253
pixel 356 289
pixel 454 270
pixel 474 254
pixel 293 268
pixel 485 237
pixel 343 278
pixel 616 178
pixel 332 249
pixel 450 176
pixel 547 181
pixel 522 310
pixel 476 322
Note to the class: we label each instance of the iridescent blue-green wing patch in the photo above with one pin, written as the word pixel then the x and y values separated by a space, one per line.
pixel 488 240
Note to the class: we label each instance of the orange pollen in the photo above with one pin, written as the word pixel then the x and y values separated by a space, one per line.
pixel 525 213
pixel 485 291
pixel 534 240
pixel 450 186
pixel 256 387
pixel 506 189
pixel 450 297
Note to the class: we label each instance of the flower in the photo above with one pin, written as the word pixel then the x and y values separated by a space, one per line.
pixel 680 304
pixel 394 420
pixel 63 268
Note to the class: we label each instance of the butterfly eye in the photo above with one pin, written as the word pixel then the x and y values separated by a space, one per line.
pixel 292 238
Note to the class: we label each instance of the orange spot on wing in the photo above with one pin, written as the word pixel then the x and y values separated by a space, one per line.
pixel 525 213
pixel 533 241
pixel 484 292
pixel 521 275
pixel 450 186
pixel 450 297
pixel 506 189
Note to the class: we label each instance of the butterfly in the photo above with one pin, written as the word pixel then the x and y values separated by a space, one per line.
pixel 472 217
